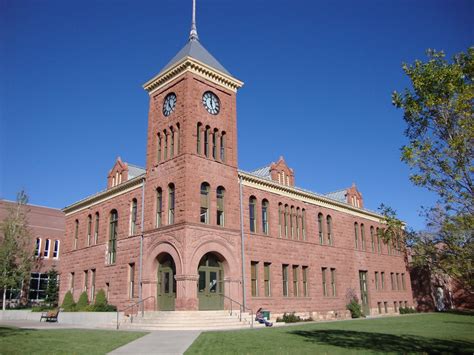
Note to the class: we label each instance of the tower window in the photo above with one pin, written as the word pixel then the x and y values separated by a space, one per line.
pixel 172 142
pixel 198 138
pixel 204 214
pixel 158 158
pixel 214 144
pixel 159 207
pixel 165 150
pixel 171 203
pixel 220 206
pixel 223 147
pixel 206 141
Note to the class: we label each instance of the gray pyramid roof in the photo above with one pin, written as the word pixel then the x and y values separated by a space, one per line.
pixel 339 195
pixel 195 50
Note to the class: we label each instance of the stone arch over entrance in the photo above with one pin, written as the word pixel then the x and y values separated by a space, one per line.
pixel 217 271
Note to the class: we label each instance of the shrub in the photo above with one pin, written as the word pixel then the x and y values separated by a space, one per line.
pixel 289 318
pixel 101 304
pixel 100 298
pixel 83 302
pixel 354 307
pixel 406 310
pixel 68 303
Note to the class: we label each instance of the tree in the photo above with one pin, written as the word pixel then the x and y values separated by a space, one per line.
pixel 68 302
pixel 83 302
pixel 16 252
pixel 52 290
pixel 439 114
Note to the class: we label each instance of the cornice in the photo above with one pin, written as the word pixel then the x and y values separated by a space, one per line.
pixel 102 196
pixel 306 196
pixel 189 64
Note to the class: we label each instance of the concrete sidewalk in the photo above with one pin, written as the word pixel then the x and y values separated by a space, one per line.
pixel 160 342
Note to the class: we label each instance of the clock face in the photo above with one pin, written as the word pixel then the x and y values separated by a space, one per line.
pixel 169 104
pixel 211 103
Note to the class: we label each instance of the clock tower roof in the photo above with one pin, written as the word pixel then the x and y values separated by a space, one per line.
pixel 196 50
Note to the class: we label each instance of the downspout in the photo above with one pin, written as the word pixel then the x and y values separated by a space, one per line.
pixel 140 291
pixel 242 237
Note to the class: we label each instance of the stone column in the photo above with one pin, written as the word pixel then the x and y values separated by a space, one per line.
pixel 186 292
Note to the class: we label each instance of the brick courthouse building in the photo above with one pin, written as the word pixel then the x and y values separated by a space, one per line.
pixel 190 224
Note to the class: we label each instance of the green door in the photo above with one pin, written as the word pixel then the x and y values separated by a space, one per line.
pixel 166 286
pixel 210 285
pixel 364 292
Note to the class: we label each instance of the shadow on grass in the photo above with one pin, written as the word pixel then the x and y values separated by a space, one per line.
pixel 9 331
pixel 385 342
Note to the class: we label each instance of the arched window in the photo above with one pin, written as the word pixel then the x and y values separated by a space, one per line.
pixel 214 144
pixel 206 141
pixel 280 219
pixel 362 236
pixel 320 229
pixel 133 216
pixel 96 228
pixel 303 223
pixel 265 217
pixel 89 229
pixel 47 246
pixel 113 230
pixel 204 214
pixel 171 203
pixel 198 138
pixel 298 222
pixel 172 142
pixel 38 247
pixel 165 150
pixel 158 153
pixel 329 229
pixel 56 249
pixel 252 214
pixel 292 221
pixel 372 238
pixel 159 207
pixel 356 235
pixel 76 234
pixel 223 147
pixel 379 244
pixel 287 213
pixel 220 194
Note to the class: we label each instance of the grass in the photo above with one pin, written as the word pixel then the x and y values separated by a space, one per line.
pixel 432 333
pixel 62 341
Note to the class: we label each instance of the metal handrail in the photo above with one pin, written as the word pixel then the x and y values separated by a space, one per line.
pixel 134 305
pixel 242 308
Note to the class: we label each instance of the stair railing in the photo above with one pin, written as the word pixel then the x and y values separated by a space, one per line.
pixel 132 307
pixel 242 309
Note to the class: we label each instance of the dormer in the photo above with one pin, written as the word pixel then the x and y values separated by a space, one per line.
pixel 122 172
pixel 350 195
pixel 278 172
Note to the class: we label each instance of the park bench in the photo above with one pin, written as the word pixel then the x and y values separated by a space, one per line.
pixel 50 316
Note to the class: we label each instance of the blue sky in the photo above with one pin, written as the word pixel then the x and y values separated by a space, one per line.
pixel 318 77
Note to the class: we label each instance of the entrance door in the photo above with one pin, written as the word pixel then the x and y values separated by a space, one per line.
pixel 364 292
pixel 166 285
pixel 210 285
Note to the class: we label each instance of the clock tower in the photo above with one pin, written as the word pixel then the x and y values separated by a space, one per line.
pixel 192 192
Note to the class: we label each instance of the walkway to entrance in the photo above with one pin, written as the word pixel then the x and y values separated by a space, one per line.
pixel 160 342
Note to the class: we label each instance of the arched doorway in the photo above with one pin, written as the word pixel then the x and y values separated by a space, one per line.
pixel 211 283
pixel 166 291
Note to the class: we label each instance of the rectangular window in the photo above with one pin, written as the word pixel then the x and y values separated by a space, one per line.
pixel 395 308
pixel 392 280
pixel 254 275
pixel 220 206
pixel 71 282
pixel 56 249
pixel 38 286
pixel 376 280
pixel 385 305
pixel 403 282
pixel 38 247
pixel 305 281
pixel 47 245
pixel 295 281
pixel 382 274
pixel 333 282
pixel 92 297
pixel 379 244
pixel 398 281
pixel 323 271
pixel 266 279
pixel 285 280
pixel 379 306
pixel 131 280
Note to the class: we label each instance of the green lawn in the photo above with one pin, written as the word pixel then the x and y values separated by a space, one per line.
pixel 62 341
pixel 432 333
